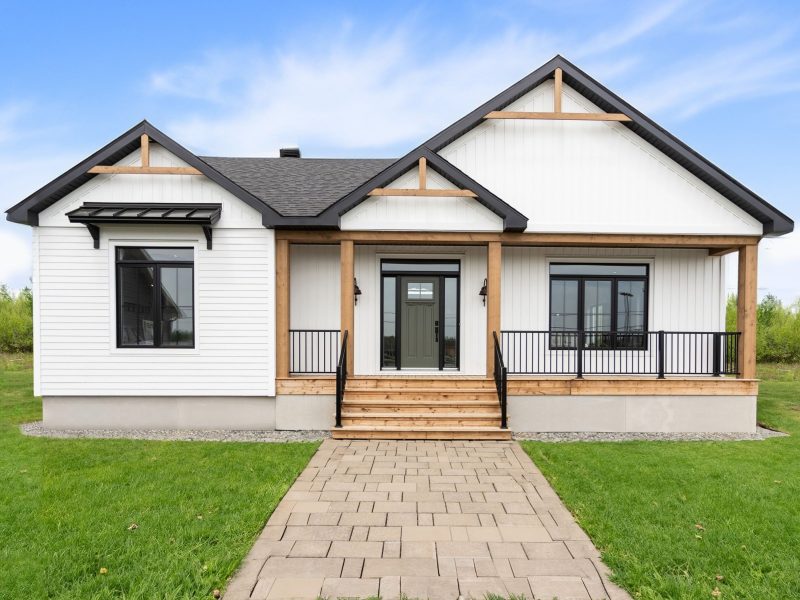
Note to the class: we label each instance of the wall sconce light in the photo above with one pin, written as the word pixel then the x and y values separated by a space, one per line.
pixel 482 293
pixel 356 290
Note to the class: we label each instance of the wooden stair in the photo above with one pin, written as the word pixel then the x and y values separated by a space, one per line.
pixel 410 408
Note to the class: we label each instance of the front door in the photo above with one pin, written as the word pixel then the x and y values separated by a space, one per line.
pixel 419 322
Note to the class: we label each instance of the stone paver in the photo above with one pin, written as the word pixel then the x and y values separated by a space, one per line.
pixel 421 519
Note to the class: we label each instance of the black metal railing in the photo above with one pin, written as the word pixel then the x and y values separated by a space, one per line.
pixel 341 379
pixel 313 351
pixel 658 353
pixel 501 381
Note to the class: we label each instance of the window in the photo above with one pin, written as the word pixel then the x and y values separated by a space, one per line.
pixel 155 298
pixel 607 302
pixel 420 290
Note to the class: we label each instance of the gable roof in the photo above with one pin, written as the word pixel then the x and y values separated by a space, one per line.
pixel 28 210
pixel 513 220
pixel 300 192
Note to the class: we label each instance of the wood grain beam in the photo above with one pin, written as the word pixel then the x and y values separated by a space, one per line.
pixel 423 173
pixel 422 192
pixel 145 150
pixel 118 170
pixel 723 251
pixel 557 116
pixel 610 240
pixel 493 266
pixel 557 90
pixel 282 308
pixel 746 305
pixel 347 299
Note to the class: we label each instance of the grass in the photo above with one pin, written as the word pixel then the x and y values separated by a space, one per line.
pixel 67 507
pixel 670 517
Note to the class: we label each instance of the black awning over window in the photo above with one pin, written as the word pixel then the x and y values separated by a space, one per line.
pixel 94 214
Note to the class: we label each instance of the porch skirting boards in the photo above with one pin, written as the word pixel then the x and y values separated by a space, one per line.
pixel 658 413
pixel 159 412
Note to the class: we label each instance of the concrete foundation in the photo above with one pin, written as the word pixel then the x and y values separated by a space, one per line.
pixel 307 411
pixel 666 414
pixel 159 412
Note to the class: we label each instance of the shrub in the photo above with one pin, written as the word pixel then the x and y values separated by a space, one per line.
pixel 778 338
pixel 16 320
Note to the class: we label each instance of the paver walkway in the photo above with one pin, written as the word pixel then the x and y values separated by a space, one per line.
pixel 424 519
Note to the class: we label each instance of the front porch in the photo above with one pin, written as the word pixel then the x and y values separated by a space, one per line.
pixel 509 370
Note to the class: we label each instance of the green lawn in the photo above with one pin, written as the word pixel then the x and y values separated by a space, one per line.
pixel 670 517
pixel 67 507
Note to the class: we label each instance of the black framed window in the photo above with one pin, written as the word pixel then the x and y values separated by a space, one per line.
pixel 155 297
pixel 606 301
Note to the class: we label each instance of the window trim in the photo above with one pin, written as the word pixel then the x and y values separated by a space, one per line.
pixel 157 265
pixel 615 279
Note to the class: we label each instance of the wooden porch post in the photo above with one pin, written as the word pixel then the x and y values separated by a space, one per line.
pixel 346 275
pixel 746 302
pixel 493 265
pixel 282 308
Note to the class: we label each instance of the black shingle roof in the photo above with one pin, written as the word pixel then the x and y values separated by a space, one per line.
pixel 298 187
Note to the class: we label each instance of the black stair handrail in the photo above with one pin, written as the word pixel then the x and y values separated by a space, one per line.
pixel 501 382
pixel 341 379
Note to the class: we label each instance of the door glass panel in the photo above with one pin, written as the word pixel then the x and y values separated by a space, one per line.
pixel 563 312
pixel 136 306
pixel 420 290
pixel 177 310
pixel 630 314
pixel 389 346
pixel 155 254
pixel 597 313
pixel 450 323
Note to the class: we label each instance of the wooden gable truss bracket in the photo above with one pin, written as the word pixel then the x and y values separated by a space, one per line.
pixel 207 233
pixel 145 168
pixel 422 190
pixel 94 231
pixel 557 114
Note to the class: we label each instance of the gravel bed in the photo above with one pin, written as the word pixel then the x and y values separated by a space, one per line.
pixel 36 429
pixel 760 434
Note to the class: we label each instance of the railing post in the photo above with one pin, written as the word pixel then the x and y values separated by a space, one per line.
pixel 579 355
pixel 504 400
pixel 661 358
pixel 716 349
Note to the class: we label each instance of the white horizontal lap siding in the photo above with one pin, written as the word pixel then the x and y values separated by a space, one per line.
pixel 421 213
pixel 686 287
pixel 368 312
pixel 234 296
pixel 598 177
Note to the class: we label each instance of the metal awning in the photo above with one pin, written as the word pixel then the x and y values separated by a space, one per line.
pixel 94 214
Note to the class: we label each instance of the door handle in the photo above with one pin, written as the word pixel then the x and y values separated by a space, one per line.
pixel 436 331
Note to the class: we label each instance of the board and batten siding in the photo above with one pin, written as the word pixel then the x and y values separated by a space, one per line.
pixel 584 176
pixel 420 213
pixel 234 296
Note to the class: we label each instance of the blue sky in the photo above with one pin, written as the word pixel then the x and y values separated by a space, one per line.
pixel 375 79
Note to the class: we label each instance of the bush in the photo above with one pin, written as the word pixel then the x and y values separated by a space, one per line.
pixel 778 338
pixel 16 320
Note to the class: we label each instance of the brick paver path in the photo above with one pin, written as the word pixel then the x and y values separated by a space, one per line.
pixel 424 519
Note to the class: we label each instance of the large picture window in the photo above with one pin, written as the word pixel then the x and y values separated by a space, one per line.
pixel 155 298
pixel 607 302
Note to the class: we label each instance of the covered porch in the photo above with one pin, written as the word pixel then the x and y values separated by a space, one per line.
pixel 332 337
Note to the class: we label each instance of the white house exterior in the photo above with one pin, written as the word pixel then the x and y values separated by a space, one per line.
pixel 552 261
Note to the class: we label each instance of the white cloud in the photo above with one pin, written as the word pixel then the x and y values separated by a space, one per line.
pixel 15 258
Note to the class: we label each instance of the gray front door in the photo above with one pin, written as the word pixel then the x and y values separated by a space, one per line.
pixel 419 334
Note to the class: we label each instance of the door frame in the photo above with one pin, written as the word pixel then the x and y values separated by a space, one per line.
pixel 442 275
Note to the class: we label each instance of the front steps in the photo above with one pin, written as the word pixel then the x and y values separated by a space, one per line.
pixel 412 408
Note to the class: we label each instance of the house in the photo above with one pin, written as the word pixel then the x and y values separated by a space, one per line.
pixel 552 261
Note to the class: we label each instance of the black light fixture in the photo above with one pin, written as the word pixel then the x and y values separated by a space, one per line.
pixel 356 290
pixel 482 293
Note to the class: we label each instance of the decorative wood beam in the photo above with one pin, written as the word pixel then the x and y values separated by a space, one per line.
pixel 557 91
pixel 723 251
pixel 347 297
pixel 493 268
pixel 118 170
pixel 557 116
pixel 145 150
pixel 423 173
pixel 607 240
pixel 421 192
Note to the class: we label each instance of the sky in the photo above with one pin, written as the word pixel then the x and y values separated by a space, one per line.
pixel 357 79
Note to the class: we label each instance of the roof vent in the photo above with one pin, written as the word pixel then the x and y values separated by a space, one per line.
pixel 290 153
